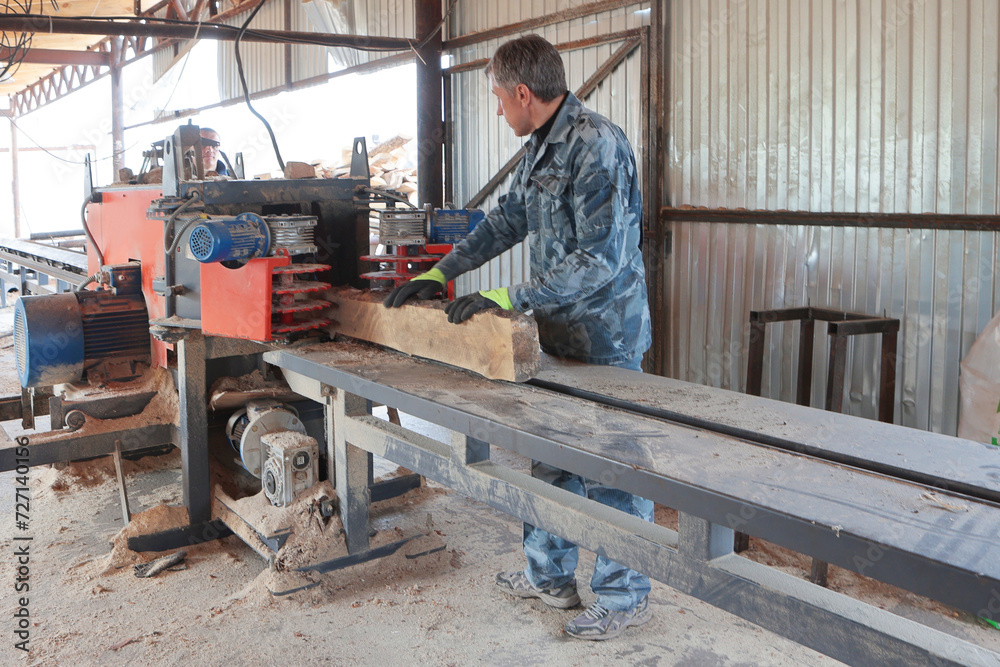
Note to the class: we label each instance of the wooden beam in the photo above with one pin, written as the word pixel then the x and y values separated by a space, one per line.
pixel 497 345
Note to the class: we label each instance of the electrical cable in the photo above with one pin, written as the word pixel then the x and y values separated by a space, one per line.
pixel 246 90
pixel 90 236
pixel 389 195
pixel 96 278
pixel 62 159
pixel 15 44
pixel 437 29
pixel 171 246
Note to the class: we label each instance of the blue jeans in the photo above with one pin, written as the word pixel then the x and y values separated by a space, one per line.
pixel 552 560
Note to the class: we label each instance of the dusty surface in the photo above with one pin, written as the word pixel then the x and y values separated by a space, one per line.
pixel 87 608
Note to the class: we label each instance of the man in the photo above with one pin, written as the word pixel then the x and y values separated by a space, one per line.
pixel 575 197
pixel 211 152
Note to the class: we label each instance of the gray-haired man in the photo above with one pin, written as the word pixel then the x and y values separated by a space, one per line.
pixel 575 197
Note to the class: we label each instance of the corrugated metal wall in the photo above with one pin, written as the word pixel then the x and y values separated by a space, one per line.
pixel 833 105
pixel 483 140
pixel 264 63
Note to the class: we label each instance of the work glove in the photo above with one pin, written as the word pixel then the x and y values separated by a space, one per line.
pixel 423 286
pixel 466 306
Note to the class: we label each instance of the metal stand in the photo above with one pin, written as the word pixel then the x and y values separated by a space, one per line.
pixel 840 325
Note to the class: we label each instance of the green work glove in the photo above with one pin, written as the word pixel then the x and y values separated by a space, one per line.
pixel 423 286
pixel 465 307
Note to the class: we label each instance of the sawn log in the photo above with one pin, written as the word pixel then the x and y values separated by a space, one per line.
pixel 497 345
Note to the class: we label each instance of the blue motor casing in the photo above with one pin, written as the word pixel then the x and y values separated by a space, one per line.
pixel 230 239
pixel 453 225
pixel 100 334
pixel 48 339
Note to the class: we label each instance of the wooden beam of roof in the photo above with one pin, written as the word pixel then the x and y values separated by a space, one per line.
pixel 59 57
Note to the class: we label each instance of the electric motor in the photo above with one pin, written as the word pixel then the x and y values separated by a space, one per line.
pixel 239 239
pixel 99 334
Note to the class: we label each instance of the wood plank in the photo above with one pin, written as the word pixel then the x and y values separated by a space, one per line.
pixel 497 345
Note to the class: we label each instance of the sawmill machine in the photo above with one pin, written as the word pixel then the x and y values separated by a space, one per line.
pixel 228 259
pixel 225 259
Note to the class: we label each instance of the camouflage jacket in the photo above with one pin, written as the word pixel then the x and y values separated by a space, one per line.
pixel 575 197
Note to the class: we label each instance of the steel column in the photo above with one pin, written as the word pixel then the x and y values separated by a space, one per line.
pixel 803 389
pixel 352 471
pixel 887 379
pixel 15 179
pixel 838 370
pixel 117 107
pixel 659 55
pixel 430 124
pixel 193 432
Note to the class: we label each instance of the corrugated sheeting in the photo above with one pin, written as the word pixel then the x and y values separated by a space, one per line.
pixel 264 64
pixel 833 106
pixel 943 286
pixel 484 142
pixel 162 60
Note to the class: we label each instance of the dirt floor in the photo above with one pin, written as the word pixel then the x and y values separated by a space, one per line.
pixel 87 607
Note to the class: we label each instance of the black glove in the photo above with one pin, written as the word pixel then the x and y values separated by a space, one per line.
pixel 466 306
pixel 423 286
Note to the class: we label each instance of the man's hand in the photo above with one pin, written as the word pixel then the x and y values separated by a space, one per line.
pixel 465 307
pixel 423 286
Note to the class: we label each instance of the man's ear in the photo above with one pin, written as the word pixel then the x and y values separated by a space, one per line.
pixel 523 94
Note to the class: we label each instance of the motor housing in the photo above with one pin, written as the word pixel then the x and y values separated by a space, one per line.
pixel 236 239
pixel 99 335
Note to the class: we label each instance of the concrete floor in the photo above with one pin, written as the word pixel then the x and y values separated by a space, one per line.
pixel 438 609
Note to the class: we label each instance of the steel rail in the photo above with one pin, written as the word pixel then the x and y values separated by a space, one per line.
pixel 776 442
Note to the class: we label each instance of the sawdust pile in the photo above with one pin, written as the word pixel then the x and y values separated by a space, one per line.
pixel 162 409
pixel 78 475
pixel 153 520
pixel 313 539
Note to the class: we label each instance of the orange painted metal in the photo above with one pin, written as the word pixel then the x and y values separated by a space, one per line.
pixel 236 303
pixel 123 233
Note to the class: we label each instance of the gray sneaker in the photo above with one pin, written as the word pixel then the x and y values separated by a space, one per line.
pixel 516 583
pixel 599 623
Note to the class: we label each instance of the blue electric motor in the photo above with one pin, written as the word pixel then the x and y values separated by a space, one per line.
pixel 453 225
pixel 230 239
pixel 100 334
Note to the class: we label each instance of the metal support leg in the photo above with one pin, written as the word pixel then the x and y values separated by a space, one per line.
pixel 803 392
pixel 466 450
pixel 755 358
pixel 834 403
pixel 122 490
pixel 837 372
pixel 755 372
pixel 27 406
pixel 703 540
pixel 887 378
pixel 351 473
pixel 194 427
